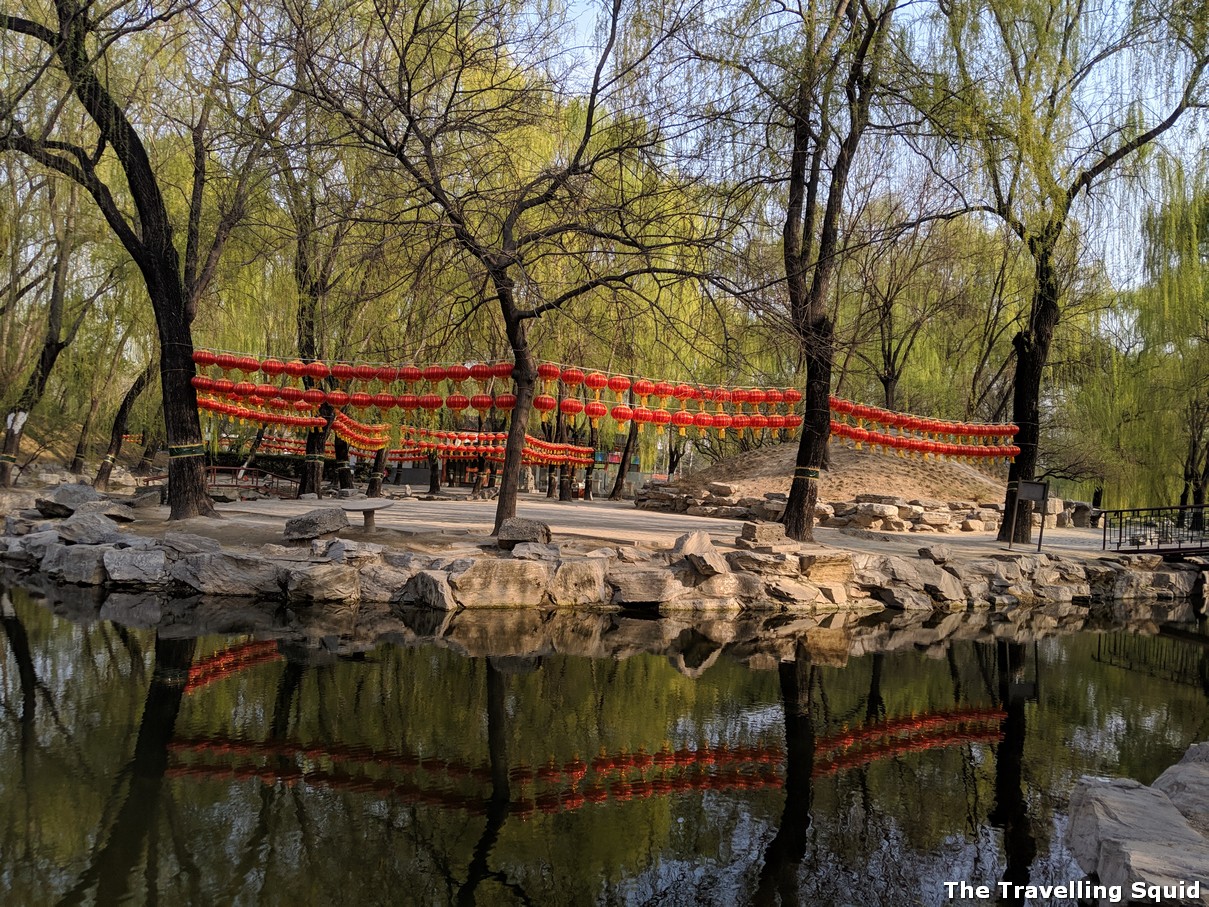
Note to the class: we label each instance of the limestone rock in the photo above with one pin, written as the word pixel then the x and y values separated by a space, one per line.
pixel 758 562
pixel 346 551
pixel 53 509
pixel 145 499
pixel 79 564
pixel 968 525
pixel 1126 832
pixel 763 533
pixel 119 513
pixel 126 566
pixel 430 589
pixel 515 530
pixel 89 529
pixel 1186 785
pixel 699 551
pixel 792 591
pixel 887 499
pixel 72 496
pixel 314 523
pixel 720 490
pixel 937 554
pixel 876 511
pixel 644 585
pixel 33 546
pixel 178 544
pixel 220 573
pixel 536 551
pixel 580 582
pixel 936 518
pixel 383 583
pixel 827 566
pixel 903 598
pixel 500 583
pixel 323 583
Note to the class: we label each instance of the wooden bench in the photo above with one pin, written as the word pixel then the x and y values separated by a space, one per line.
pixel 367 507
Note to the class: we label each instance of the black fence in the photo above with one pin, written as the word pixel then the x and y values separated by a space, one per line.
pixel 1159 530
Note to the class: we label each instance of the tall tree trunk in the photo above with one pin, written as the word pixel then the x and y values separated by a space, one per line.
pixel 524 377
pixel 627 451
pixel 117 433
pixel 1032 351
pixel 147 461
pixel 816 430
pixel 52 345
pixel 81 454
pixel 344 472
pixel 434 474
pixel 593 440
pixel 374 489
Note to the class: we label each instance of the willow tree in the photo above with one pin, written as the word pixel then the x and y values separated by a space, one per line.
pixel 1043 101
pixel 548 177
pixel 816 72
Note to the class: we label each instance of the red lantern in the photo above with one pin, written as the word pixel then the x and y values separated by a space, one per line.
pixel 202 383
pixel 337 398
pixel 739 396
pixel 383 401
pixel 409 374
pixel 619 384
pixel 434 374
pixel 226 361
pixel 643 389
pixel 703 420
pixel 544 404
pixel 342 371
pixel 457 374
pixel 642 415
pixel 361 400
pixel 204 358
pixel 480 372
pixel 661 417
pixel 776 422
pixel 244 389
pixel 664 389
pixel 295 368
pixel 792 396
pixel 682 419
pixel 457 402
pixel 621 413
pixel 596 410
pixel 739 422
pixel 501 370
pixel 722 422
pixel 314 396
pixel 317 370
pixel 290 394
pixel 430 402
pixel 571 407
pixel 596 382
pixel 505 402
pixel 266 391
pixel 365 372
pixel 572 377
pixel 759 422
pixel 793 421
pixel 481 403
pixel 773 397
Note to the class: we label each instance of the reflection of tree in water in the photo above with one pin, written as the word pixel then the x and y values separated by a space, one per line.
pixel 779 875
pixel 134 830
pixel 1010 812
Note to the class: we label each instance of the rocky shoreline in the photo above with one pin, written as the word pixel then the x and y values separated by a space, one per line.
pixel 74 536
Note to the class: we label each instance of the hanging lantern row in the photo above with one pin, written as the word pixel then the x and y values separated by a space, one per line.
pixel 358 435
pixel 922 447
pixel 931 429
pixel 456 374
pixel 259 416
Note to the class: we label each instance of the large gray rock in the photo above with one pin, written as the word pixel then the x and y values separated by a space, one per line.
pixel 535 551
pixel 792 591
pixel 178 544
pixel 64 500
pixel 580 582
pixel 638 584
pixel 500 583
pixel 131 567
pixel 323 583
pixel 769 564
pixel 1186 785
pixel 79 564
pixel 344 551
pixel 515 530
pixel 430 589
pixel 89 529
pixel 699 551
pixel 383 583
pixel 220 573
pixel 1126 832
pixel 763 533
pixel 315 523
pixel 119 513
pixel 34 545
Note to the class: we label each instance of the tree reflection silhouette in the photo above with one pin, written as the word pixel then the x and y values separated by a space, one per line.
pixel 1010 812
pixel 778 881
pixel 134 828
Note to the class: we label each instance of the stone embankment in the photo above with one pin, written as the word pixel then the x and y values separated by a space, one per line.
pixel 524 567
pixel 1127 834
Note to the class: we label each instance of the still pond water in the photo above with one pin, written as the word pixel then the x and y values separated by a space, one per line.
pixel 285 766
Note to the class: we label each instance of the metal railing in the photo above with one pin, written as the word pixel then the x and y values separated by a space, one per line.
pixel 1157 529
